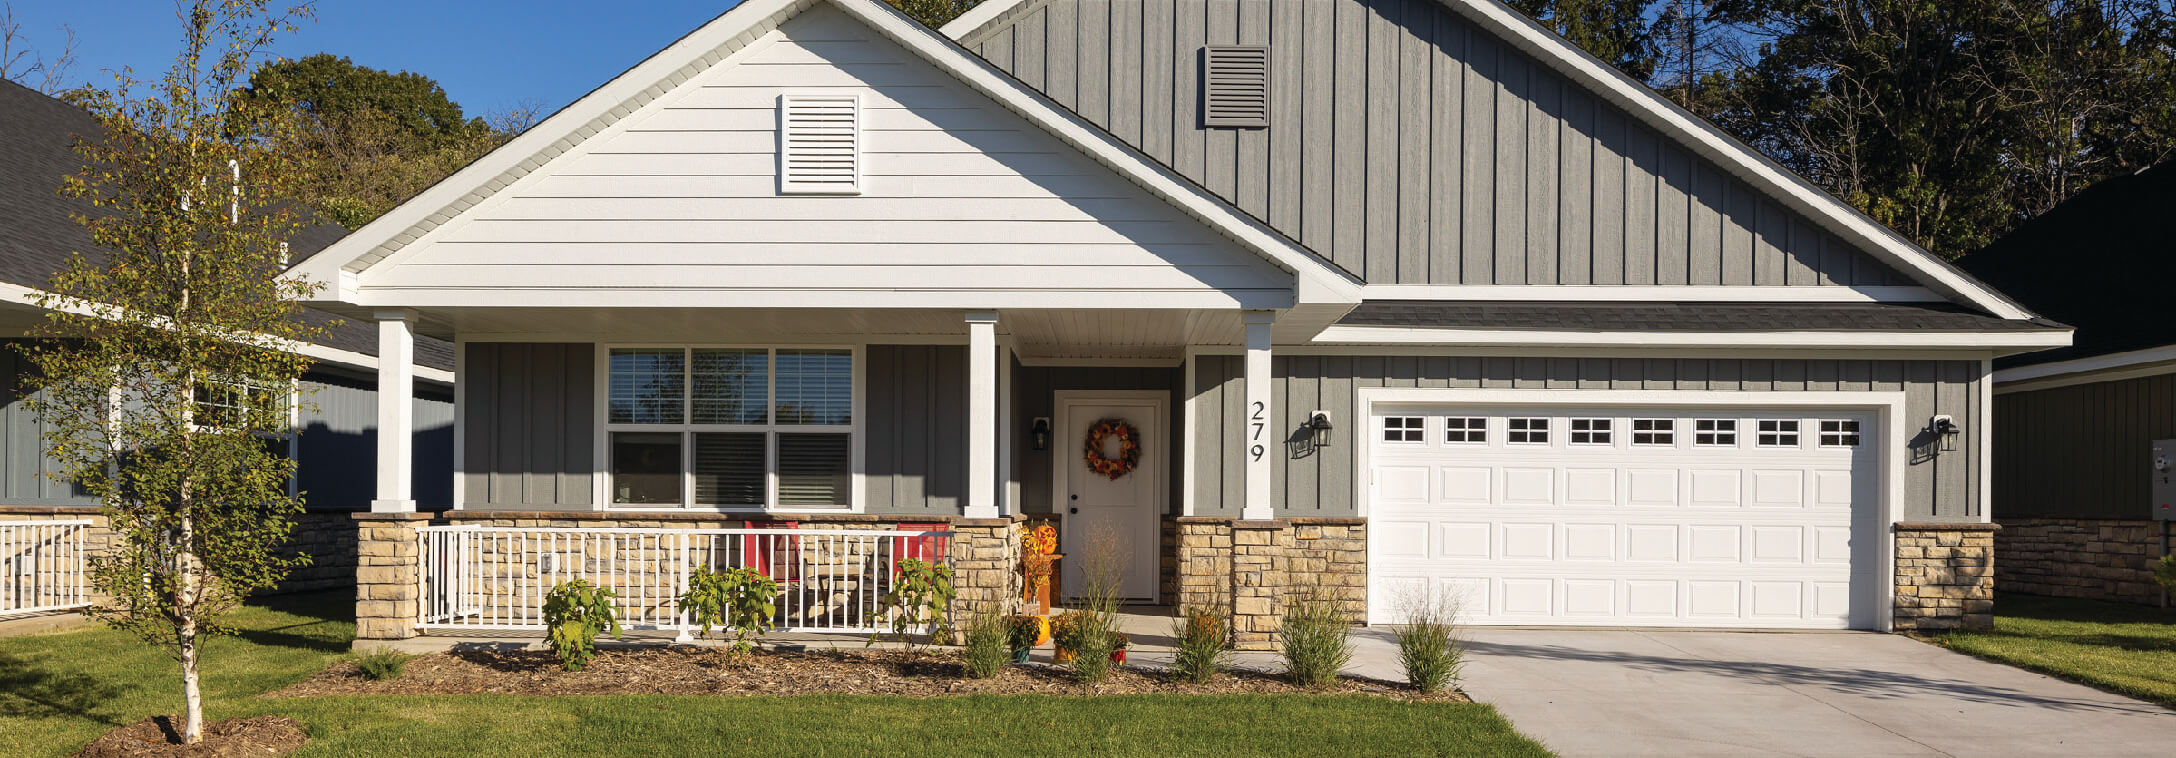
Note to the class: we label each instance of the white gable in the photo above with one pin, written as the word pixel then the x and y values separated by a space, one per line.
pixel 963 203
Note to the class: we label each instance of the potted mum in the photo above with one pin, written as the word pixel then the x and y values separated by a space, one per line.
pixel 1023 633
pixel 1065 633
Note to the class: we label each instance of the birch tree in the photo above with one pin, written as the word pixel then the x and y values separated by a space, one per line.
pixel 165 367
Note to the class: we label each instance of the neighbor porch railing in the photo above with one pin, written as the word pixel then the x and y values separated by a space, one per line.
pixel 41 566
pixel 495 578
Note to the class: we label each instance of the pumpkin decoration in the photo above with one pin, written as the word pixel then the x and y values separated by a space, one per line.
pixel 1129 448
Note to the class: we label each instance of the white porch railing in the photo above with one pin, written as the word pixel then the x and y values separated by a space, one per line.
pixel 495 578
pixel 41 566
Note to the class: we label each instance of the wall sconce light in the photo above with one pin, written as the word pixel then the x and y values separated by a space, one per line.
pixel 1318 423
pixel 1039 433
pixel 1945 431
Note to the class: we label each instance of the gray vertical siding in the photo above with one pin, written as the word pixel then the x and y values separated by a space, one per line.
pixel 336 451
pixel 1033 396
pixel 26 472
pixel 528 426
pixel 1319 483
pixel 2082 451
pixel 1409 147
pixel 915 437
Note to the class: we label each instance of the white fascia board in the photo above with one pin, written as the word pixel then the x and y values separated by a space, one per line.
pixel 2090 363
pixel 1685 128
pixel 1316 281
pixel 1399 335
pixel 1650 294
pixel 21 295
pixel 1742 161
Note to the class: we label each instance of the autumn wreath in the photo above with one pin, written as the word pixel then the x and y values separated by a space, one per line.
pixel 1129 448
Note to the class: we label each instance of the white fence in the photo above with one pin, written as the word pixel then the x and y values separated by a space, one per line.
pixel 831 580
pixel 41 566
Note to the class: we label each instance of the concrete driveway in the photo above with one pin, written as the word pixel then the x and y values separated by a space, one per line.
pixel 1629 693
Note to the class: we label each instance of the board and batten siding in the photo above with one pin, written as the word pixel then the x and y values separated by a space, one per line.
pixel 684 195
pixel 1033 396
pixel 2082 451
pixel 529 427
pixel 26 471
pixel 915 437
pixel 1412 148
pixel 1320 482
pixel 336 452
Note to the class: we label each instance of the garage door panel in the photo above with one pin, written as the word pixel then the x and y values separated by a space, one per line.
pixel 1678 534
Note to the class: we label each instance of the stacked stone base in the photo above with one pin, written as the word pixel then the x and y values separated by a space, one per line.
pixel 1257 569
pixel 2102 559
pixel 1945 576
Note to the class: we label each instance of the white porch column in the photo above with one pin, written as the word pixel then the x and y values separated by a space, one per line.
pixel 1261 414
pixel 981 414
pixel 396 411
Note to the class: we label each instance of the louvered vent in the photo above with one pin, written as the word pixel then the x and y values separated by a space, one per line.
pixel 1235 86
pixel 819 144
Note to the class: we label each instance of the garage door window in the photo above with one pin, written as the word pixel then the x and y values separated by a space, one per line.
pixel 1839 433
pixel 1778 433
pixel 1591 431
pixel 1715 432
pixel 1403 429
pixel 1468 430
pixel 1528 431
pixel 1654 432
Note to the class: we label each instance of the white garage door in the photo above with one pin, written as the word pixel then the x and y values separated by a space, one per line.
pixel 1616 516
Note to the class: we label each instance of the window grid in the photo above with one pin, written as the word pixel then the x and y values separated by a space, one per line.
pixel 1839 433
pixel 749 400
pixel 1466 429
pixel 1527 431
pixel 1403 429
pixel 1654 432
pixel 1715 432
pixel 1591 431
pixel 1777 433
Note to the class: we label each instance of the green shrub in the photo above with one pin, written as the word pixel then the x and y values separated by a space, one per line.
pixel 2164 573
pixel 988 647
pixel 1205 643
pixel 1428 644
pixel 1317 637
pixel 918 600
pixel 576 612
pixel 741 600
pixel 383 665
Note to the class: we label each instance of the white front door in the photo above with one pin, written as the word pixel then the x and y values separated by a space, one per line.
pixel 1104 515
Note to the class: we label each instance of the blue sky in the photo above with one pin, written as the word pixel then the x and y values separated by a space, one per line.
pixel 489 54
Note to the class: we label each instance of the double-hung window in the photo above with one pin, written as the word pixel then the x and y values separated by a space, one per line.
pixel 730 427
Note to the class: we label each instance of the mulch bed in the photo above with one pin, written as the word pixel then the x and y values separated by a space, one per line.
pixel 258 736
pixel 709 671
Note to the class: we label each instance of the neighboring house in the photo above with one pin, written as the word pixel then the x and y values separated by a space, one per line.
pixel 336 421
pixel 2074 448
pixel 1416 296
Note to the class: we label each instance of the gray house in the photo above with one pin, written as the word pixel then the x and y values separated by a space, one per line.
pixel 336 423
pixel 1388 298
pixel 2074 454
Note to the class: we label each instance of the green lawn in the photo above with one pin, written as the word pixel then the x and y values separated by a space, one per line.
pixel 2129 649
pixel 60 691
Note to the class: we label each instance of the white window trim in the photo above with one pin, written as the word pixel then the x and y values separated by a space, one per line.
pixel 601 462
pixel 1382 433
pixel 1548 431
pixel 1736 432
pixel 1602 425
pixel 1797 433
pixel 1670 431
pixel 1484 429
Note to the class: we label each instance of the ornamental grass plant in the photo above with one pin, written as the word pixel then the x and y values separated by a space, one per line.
pixel 1317 638
pixel 1428 643
pixel 1102 576
pixel 1204 639
pixel 987 650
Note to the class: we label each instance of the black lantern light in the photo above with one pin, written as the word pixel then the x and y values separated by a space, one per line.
pixel 1945 431
pixel 1318 423
pixel 1039 433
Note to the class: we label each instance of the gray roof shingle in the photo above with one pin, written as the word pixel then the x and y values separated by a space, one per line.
pixel 38 231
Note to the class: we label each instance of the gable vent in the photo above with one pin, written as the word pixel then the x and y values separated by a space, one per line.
pixel 819 144
pixel 1235 86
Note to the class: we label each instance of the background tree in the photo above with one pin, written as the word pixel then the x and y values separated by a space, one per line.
pixel 1617 32
pixel 933 13
pixel 374 138
pixel 24 65
pixel 164 369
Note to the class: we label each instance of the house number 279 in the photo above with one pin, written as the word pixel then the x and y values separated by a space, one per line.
pixel 1259 423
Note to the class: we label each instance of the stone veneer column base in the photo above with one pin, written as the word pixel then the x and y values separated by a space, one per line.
pixel 2102 559
pixel 985 557
pixel 1257 568
pixel 1945 576
pixel 388 575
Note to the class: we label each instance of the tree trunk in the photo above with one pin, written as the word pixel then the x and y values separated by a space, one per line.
pixel 192 722
pixel 185 610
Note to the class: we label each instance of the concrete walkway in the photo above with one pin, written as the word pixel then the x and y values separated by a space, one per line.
pixel 1634 693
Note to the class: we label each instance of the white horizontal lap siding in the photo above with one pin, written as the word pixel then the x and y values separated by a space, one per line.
pixel 685 195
